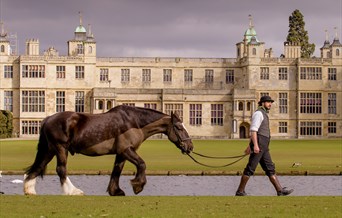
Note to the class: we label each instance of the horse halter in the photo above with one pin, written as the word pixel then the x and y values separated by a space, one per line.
pixel 179 138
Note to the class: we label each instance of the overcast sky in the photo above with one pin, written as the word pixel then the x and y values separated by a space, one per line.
pixel 168 28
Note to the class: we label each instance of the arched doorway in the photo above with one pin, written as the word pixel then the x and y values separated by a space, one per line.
pixel 109 105
pixel 244 130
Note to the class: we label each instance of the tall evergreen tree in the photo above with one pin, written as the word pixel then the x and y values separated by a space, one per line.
pixel 298 34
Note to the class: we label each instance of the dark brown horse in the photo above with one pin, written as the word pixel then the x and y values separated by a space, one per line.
pixel 119 131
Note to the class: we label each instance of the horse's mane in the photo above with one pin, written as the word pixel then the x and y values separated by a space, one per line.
pixel 144 115
pixel 132 108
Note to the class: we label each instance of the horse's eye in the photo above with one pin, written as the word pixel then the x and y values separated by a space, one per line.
pixel 179 127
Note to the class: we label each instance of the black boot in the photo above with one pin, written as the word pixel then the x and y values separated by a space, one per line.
pixel 241 189
pixel 280 191
pixel 284 192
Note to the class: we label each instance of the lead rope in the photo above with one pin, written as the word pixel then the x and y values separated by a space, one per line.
pixel 240 158
pixel 218 157
pixel 231 157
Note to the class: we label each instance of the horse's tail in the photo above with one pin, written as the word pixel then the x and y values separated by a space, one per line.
pixel 42 150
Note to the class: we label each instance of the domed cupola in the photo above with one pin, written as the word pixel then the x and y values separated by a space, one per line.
pixel 80 31
pixel 250 33
pixel 250 46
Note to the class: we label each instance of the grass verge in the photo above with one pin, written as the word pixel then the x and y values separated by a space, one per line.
pixel 314 157
pixel 176 206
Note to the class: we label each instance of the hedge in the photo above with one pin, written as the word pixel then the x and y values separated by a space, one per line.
pixel 6 124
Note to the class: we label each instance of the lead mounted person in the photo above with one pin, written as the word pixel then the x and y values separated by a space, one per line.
pixel 258 149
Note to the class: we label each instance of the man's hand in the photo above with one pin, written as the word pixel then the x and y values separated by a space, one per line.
pixel 254 139
pixel 256 149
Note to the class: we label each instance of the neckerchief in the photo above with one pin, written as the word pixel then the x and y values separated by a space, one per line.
pixel 263 108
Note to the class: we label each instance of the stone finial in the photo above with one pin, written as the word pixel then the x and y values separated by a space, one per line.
pixel 336 33
pixel 250 21
pixel 80 14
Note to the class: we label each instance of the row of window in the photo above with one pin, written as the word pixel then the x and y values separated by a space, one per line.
pixel 167 75
pixel 38 71
pixel 309 128
pixel 33 71
pixel 311 73
pixel 306 73
pixel 31 127
pixel 34 101
pixel 310 103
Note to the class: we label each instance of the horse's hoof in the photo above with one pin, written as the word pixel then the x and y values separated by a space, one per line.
pixel 76 192
pixel 30 193
pixel 119 193
pixel 137 187
pixel 29 186
pixel 115 191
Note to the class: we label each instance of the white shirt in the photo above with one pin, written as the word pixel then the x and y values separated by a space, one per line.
pixel 257 119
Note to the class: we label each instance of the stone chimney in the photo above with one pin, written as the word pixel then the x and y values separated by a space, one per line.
pixel 32 47
pixel 292 50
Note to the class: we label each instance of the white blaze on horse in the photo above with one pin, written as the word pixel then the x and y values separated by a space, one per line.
pixel 120 132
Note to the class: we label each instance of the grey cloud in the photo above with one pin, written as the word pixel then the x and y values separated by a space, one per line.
pixel 189 28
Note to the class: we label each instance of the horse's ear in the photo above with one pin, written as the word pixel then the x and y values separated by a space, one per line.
pixel 175 117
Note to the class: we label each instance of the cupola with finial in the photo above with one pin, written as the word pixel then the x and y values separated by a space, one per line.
pixel 83 44
pixel 4 42
pixel 250 46
pixel 80 31
pixel 336 46
pixel 325 50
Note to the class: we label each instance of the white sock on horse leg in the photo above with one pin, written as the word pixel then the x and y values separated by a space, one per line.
pixel 29 186
pixel 70 189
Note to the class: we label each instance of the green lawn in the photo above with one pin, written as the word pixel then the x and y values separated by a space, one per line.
pixel 166 206
pixel 316 157
pixel 161 157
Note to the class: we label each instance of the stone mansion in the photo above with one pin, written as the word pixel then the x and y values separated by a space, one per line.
pixel 215 97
